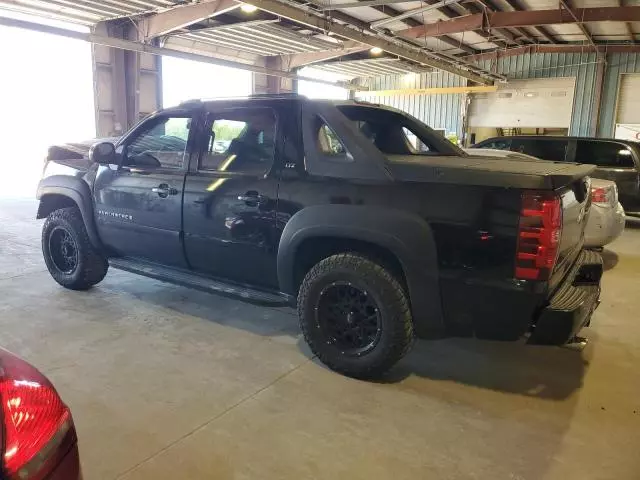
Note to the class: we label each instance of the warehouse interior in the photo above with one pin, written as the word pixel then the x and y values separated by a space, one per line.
pixel 168 382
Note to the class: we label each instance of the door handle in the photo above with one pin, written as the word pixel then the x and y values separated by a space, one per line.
pixel 253 198
pixel 164 190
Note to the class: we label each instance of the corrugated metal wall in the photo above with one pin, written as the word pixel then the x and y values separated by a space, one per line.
pixel 437 111
pixel 617 64
pixel 445 110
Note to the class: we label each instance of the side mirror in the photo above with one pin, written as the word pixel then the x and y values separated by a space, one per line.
pixel 103 153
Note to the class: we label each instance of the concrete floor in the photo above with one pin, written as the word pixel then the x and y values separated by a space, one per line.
pixel 168 383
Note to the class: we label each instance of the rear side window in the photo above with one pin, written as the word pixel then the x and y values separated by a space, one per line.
pixel 555 150
pixel 604 154
pixel 240 140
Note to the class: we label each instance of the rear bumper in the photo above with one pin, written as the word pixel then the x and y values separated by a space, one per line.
pixel 571 306
pixel 605 224
pixel 69 467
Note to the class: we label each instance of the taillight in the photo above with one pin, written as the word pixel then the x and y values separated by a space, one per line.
pixel 539 234
pixel 36 422
pixel 599 195
pixel 604 195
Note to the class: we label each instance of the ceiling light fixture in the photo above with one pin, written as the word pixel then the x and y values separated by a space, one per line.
pixel 376 50
pixel 248 8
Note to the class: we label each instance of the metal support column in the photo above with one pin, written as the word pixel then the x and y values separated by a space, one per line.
pixel 127 84
pixel 277 85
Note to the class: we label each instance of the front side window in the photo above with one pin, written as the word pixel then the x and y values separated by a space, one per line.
pixel 498 144
pixel 240 140
pixel 162 145
pixel 604 154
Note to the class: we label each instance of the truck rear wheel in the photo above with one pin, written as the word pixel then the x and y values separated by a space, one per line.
pixel 71 259
pixel 355 315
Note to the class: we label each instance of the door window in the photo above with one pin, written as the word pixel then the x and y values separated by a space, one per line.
pixel 498 144
pixel 240 140
pixel 555 150
pixel 162 145
pixel 604 154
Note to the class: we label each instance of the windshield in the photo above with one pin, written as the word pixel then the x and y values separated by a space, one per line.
pixel 396 133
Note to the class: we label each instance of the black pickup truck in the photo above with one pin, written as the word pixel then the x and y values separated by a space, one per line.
pixel 377 227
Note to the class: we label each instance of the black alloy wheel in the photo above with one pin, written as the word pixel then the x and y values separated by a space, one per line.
pixel 355 315
pixel 70 257
pixel 63 250
pixel 349 318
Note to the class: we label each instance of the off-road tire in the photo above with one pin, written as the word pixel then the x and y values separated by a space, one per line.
pixel 396 332
pixel 91 266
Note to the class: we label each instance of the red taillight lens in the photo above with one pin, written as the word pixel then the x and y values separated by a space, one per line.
pixel 36 422
pixel 538 235
pixel 600 195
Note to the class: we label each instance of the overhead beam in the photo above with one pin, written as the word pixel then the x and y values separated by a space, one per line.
pixel 499 34
pixel 409 13
pixel 585 31
pixel 395 48
pixel 490 8
pixel 517 5
pixel 412 22
pixel 297 60
pixel 146 48
pixel 529 18
pixel 555 48
pixel 182 16
pixel 629 27
pixel 364 3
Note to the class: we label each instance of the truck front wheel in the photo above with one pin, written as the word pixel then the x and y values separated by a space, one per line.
pixel 71 259
pixel 355 315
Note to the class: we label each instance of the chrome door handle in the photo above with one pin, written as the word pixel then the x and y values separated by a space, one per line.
pixel 163 190
pixel 253 199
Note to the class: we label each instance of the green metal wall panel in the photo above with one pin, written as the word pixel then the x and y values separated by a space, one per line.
pixel 437 111
pixel 444 111
pixel 617 64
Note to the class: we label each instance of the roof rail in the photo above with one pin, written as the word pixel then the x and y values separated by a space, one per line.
pixel 275 95
pixel 190 102
pixel 199 101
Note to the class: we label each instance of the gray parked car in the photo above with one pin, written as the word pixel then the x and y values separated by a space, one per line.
pixel 617 160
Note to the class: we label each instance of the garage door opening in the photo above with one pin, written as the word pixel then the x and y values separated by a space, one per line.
pixel 186 79
pixel 46 98
pixel 321 91
pixel 628 108
pixel 523 107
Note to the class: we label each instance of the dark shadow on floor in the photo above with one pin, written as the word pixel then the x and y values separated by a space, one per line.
pixel 265 321
pixel 545 372
pixel 536 371
pixel 609 259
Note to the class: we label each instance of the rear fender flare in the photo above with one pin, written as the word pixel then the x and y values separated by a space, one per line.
pixel 408 237
pixel 77 190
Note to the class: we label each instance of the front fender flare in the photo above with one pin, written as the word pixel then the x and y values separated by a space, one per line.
pixel 77 190
pixel 408 237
